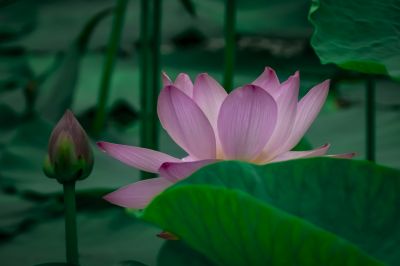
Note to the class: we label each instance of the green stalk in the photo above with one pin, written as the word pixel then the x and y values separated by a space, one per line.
pixel 106 78
pixel 230 43
pixel 145 140
pixel 71 236
pixel 145 128
pixel 146 136
pixel 156 68
pixel 150 71
pixel 370 119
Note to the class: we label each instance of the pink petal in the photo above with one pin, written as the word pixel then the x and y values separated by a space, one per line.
pixel 177 171
pixel 343 155
pixel 287 107
pixel 209 95
pixel 184 83
pixel 186 123
pixel 290 155
pixel 165 79
pixel 307 110
pixel 138 195
pixel 141 158
pixel 246 121
pixel 269 81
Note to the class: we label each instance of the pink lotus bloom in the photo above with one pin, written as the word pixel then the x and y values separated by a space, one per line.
pixel 259 123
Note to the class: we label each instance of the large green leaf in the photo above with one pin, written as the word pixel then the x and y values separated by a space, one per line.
pixel 232 228
pixel 360 35
pixel 355 200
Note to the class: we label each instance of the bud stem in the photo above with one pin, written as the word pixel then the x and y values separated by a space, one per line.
pixel 71 237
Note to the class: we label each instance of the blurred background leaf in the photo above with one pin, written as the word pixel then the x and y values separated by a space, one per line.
pixel 178 253
pixel 287 18
pixel 107 237
pixel 18 18
pixel 189 7
pixel 58 96
pixel 368 39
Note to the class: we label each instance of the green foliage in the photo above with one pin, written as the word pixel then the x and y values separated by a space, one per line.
pixel 54 264
pixel 232 228
pixel 14 68
pixel 360 35
pixel 18 18
pixel 188 5
pixel 354 201
pixel 178 253
pixel 285 19
pixel 15 214
pixel 107 237
pixel 57 93
pixel 303 145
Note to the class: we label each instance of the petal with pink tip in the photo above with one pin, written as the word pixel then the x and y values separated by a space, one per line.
pixel 269 81
pixel 343 155
pixel 209 95
pixel 307 110
pixel 177 171
pixel 184 83
pixel 287 108
pixel 141 158
pixel 290 155
pixel 292 82
pixel 246 121
pixel 165 79
pixel 186 123
pixel 138 195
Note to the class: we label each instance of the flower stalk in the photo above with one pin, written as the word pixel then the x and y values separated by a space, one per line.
pixel 71 235
pixel 146 105
pixel 230 43
pixel 370 119
pixel 106 78
pixel 150 71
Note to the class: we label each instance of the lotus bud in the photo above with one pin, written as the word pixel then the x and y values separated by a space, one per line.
pixel 69 157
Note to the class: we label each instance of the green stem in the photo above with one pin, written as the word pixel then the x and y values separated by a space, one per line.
pixel 230 43
pixel 71 236
pixel 106 78
pixel 370 119
pixel 144 74
pixel 150 71
pixel 156 68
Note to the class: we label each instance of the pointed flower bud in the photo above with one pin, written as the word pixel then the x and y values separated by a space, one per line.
pixel 69 157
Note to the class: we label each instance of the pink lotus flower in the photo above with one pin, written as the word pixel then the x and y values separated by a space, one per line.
pixel 259 123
